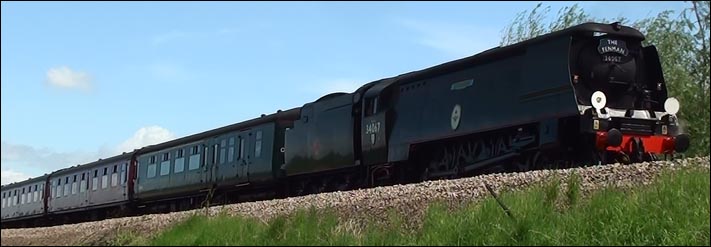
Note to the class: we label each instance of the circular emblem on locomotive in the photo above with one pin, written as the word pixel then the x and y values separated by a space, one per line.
pixel 456 116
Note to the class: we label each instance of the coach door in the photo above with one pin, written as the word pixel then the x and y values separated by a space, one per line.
pixel 242 156
pixel 207 167
pixel 376 115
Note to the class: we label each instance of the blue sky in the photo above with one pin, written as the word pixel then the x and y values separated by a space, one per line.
pixel 88 80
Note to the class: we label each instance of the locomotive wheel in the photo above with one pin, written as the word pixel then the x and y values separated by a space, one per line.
pixel 442 161
pixel 520 164
pixel 425 174
pixel 538 161
pixel 623 158
pixel 637 154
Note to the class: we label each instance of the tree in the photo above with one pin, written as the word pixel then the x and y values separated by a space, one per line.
pixel 682 40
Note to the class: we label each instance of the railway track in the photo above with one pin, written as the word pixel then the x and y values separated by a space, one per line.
pixel 353 206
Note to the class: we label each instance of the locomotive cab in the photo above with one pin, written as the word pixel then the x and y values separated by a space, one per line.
pixel 622 96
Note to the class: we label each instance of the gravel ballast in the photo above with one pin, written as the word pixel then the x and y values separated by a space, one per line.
pixel 354 206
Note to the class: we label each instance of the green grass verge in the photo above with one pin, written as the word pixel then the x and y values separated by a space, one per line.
pixel 672 211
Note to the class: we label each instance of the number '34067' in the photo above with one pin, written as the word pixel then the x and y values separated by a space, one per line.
pixel 372 127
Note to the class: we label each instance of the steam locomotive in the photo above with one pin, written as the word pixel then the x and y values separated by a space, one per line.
pixel 589 94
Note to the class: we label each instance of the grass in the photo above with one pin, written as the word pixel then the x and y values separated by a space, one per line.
pixel 672 211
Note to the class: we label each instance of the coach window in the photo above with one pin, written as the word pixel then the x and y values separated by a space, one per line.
pixel 67 186
pixel 205 154
pixel 36 194
pixel 95 180
pixel 151 169
pixel 258 145
pixel 41 192
pixel 223 151
pixel 114 176
pixel 165 165
pixel 105 179
pixel 3 200
pixel 215 148
pixel 59 188
pixel 194 162
pixel 179 165
pixel 23 196
pixel 241 149
pixel 123 173
pixel 231 152
pixel 17 198
pixel 82 185
pixel 74 185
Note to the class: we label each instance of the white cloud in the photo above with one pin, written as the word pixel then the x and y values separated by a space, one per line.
pixel 20 162
pixel 10 176
pixel 17 159
pixel 146 136
pixel 45 158
pixel 64 77
pixel 454 39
